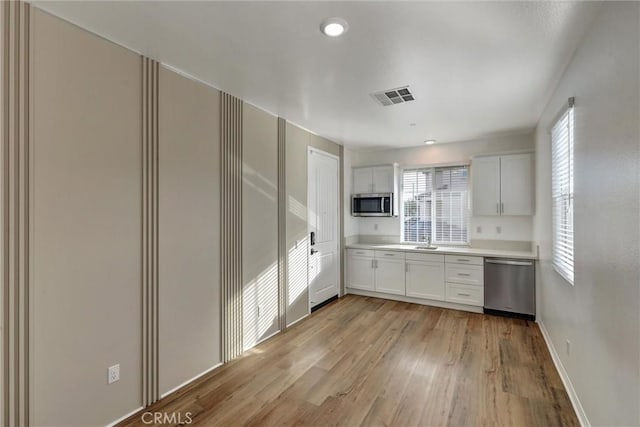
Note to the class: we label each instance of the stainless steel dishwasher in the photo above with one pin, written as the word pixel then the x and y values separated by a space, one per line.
pixel 509 287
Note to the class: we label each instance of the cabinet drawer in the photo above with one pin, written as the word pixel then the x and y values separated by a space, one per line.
pixel 389 255
pixel 412 256
pixel 467 274
pixel 463 259
pixel 360 252
pixel 465 294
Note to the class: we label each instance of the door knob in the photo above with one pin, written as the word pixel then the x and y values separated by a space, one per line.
pixel 313 251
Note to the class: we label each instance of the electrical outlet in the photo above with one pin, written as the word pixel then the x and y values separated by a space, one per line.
pixel 375 227
pixel 113 373
pixel 568 348
pixel 479 230
pixel 498 229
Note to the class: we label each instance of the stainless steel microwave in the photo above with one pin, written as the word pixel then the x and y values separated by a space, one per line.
pixel 379 204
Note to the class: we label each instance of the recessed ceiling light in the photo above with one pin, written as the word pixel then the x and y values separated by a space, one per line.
pixel 334 27
pixel 430 141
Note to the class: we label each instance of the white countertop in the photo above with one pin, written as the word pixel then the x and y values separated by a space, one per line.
pixel 452 250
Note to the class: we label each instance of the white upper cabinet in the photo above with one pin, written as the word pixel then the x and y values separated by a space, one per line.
pixel 485 178
pixel 377 179
pixel 362 180
pixel 502 185
pixel 383 179
pixel 516 184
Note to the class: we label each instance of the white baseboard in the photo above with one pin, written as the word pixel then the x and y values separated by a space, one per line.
pixel 402 298
pixel 163 395
pixel 262 340
pixel 573 396
pixel 124 417
pixel 299 320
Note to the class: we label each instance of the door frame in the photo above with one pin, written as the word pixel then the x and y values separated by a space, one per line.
pixel 310 151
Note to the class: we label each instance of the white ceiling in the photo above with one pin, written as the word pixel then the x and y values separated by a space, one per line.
pixel 476 68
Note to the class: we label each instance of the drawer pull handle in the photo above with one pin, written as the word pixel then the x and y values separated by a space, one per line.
pixel 360 253
pixel 463 260
pixel 507 262
pixel 463 295
pixel 389 254
pixel 464 274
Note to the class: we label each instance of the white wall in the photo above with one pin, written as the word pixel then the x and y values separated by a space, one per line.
pixel 350 222
pixel 189 229
pixel 297 142
pixel 511 228
pixel 599 315
pixel 85 259
pixel 259 225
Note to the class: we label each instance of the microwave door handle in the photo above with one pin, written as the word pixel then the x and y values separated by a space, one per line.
pixel 381 204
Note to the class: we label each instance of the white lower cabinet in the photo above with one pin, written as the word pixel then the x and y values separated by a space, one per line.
pixel 360 272
pixel 465 294
pixel 450 278
pixel 379 271
pixel 424 276
pixel 389 274
pixel 464 277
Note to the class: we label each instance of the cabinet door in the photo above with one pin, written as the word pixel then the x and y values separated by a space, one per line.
pixel 360 274
pixel 516 184
pixel 425 280
pixel 485 179
pixel 362 180
pixel 390 276
pixel 383 179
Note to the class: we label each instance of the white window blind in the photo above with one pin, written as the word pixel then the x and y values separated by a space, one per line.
pixel 562 194
pixel 435 205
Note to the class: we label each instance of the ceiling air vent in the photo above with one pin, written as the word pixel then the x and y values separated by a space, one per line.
pixel 394 96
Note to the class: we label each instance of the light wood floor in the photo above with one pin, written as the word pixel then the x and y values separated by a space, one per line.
pixel 367 361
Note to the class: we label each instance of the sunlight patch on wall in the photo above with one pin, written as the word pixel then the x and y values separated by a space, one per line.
pixel 260 306
pixel 259 182
pixel 297 209
pixel 298 274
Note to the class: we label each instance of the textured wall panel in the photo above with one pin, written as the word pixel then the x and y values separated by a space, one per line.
pixel 86 213
pixel 150 385
pixel 231 224
pixel 189 240
pixel 282 224
pixel 15 211
pixel 260 303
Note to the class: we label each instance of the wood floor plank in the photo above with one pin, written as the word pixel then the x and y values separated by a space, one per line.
pixel 374 362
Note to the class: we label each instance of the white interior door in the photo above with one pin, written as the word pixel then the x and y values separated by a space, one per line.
pixel 324 258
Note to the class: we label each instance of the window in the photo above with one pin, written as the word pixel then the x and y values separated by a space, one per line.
pixel 435 205
pixel 562 194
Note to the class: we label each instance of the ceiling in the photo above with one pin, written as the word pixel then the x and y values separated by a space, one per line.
pixel 476 68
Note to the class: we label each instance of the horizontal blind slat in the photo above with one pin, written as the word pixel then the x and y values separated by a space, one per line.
pixel 562 194
pixel 435 204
